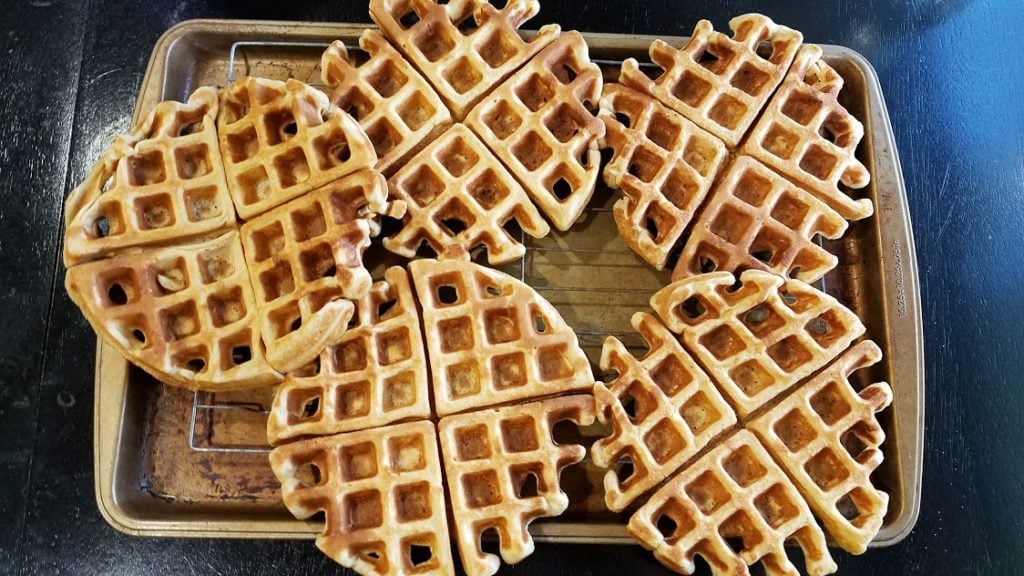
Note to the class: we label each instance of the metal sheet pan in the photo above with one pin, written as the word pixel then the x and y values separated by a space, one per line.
pixel 170 462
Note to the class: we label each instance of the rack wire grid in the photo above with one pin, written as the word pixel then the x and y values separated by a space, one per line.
pixel 205 404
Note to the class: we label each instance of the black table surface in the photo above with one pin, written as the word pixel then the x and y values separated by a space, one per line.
pixel 952 72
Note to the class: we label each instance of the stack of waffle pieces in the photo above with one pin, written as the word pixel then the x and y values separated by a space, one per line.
pixel 220 245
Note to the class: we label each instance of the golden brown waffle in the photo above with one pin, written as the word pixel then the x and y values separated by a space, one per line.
pixel 826 437
pixel 396 107
pixel 663 410
pixel 163 182
pixel 185 314
pixel 759 336
pixel 537 123
pixel 734 507
pixel 492 339
pixel 720 83
pixel 503 466
pixel 807 135
pixel 463 47
pixel 663 163
pixel 305 261
pixel 375 375
pixel 458 193
pixel 381 493
pixel 279 140
pixel 755 219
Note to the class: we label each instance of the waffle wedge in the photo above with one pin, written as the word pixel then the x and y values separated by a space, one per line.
pixel 279 140
pixel 759 336
pixel 492 339
pixel 720 83
pixel 662 407
pixel 305 261
pixel 537 123
pixel 396 106
pixel 807 135
pixel 464 47
pixel 458 193
pixel 755 219
pixel 185 314
pixel 502 467
pixel 826 437
pixel 381 493
pixel 734 507
pixel 663 163
pixel 161 183
pixel 375 375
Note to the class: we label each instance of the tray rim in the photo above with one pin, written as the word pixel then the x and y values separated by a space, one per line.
pixel 111 368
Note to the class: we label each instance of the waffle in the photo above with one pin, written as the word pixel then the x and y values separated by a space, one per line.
pixel 720 83
pixel 734 507
pixel 492 339
pixel 184 314
pixel 538 124
pixel 381 494
pixel 305 262
pixel 503 467
pixel 279 140
pixel 459 194
pixel 465 47
pixel 387 96
pixel 663 163
pixel 376 374
pixel 755 219
pixel 162 182
pixel 663 410
pixel 807 135
pixel 826 438
pixel 759 336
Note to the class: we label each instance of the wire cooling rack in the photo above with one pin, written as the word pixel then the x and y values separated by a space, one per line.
pixel 207 410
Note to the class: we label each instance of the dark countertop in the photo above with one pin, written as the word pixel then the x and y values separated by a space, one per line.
pixel 952 73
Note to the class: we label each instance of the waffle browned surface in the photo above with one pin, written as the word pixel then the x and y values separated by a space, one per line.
pixel 376 374
pixel 382 495
pixel 305 262
pixel 539 125
pixel 492 339
pixel 502 467
pixel 662 407
pixel 663 163
pixel 279 140
pixel 396 106
pixel 161 183
pixel 464 47
pixel 185 314
pixel 720 83
pixel 808 135
pixel 758 336
pixel 459 194
pixel 734 507
pixel 755 219
pixel 826 437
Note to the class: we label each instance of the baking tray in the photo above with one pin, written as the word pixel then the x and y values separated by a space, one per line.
pixel 171 462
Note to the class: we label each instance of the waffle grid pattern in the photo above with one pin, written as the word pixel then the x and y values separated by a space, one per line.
pixel 458 193
pixel 163 182
pixel 757 220
pixel 376 374
pixel 503 467
pixel 663 163
pixel 394 105
pixel 663 409
pixel 279 140
pixel 381 492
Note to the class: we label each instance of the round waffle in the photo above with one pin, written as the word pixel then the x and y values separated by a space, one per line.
pixel 220 245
